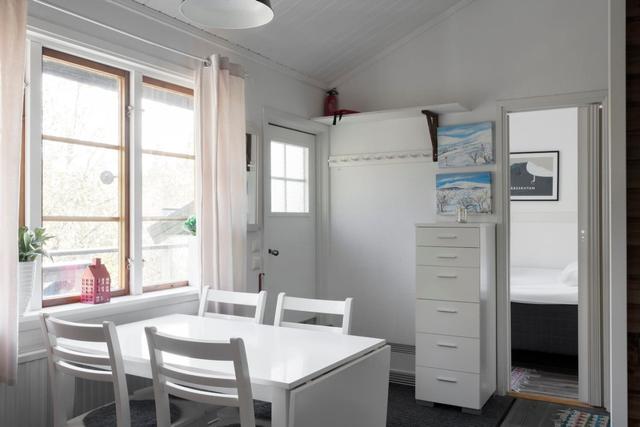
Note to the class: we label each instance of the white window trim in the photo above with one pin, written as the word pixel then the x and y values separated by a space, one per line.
pixel 33 153
pixel 284 179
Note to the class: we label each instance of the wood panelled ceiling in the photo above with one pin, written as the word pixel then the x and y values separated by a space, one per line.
pixel 326 39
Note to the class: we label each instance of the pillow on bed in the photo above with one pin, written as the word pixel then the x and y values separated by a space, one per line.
pixel 569 276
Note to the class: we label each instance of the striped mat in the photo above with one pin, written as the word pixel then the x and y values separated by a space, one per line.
pixel 526 380
pixel 577 418
pixel 534 413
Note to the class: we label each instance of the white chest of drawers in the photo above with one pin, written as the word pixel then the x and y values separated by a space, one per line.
pixel 455 314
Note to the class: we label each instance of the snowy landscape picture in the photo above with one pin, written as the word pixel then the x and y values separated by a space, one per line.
pixel 465 145
pixel 471 190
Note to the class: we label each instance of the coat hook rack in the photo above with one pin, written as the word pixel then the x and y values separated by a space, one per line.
pixel 432 122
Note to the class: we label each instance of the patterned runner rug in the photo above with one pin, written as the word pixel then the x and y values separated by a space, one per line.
pixel 542 382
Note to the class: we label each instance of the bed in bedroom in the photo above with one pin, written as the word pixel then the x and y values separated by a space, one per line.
pixel 544 310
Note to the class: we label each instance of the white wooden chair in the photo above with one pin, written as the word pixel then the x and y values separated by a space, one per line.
pixel 250 299
pixel 63 360
pixel 195 386
pixel 317 306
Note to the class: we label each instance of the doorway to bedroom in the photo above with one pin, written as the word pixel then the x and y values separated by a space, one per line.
pixel 544 252
pixel 552 276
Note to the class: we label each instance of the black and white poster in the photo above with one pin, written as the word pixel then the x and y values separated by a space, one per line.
pixel 535 175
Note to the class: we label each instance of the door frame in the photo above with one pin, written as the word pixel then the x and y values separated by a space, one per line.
pixel 280 118
pixel 597 331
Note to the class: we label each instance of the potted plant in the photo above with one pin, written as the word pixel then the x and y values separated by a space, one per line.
pixel 190 225
pixel 31 244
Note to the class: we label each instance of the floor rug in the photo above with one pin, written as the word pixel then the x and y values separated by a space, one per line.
pixel 536 381
pixel 405 412
pixel 531 413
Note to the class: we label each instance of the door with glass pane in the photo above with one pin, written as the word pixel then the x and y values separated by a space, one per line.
pixel 289 217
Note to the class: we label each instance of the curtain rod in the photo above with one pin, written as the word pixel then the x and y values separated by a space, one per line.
pixel 205 61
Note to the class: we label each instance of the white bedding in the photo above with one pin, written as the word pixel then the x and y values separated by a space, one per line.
pixel 541 286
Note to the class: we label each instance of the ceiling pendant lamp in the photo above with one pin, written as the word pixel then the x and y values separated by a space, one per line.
pixel 227 14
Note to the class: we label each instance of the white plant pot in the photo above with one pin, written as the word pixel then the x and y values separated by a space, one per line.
pixel 26 279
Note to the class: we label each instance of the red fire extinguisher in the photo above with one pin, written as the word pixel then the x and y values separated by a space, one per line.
pixel 331 102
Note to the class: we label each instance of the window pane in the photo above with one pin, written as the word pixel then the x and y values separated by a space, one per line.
pixel 166 250
pixel 277 159
pixel 296 197
pixel 277 195
pixel 80 103
pixel 296 161
pixel 82 181
pixel 79 181
pixel 167 121
pixel 74 246
pixel 168 186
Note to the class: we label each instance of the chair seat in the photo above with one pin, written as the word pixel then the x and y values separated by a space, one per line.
pixel 143 414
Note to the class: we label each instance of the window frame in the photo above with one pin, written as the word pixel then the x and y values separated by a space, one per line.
pixel 306 181
pixel 182 90
pixel 123 148
pixel 163 74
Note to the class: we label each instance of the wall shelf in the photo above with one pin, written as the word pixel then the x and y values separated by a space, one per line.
pixel 399 113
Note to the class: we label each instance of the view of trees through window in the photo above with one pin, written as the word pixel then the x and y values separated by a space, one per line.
pixel 82 187
pixel 168 182
pixel 85 178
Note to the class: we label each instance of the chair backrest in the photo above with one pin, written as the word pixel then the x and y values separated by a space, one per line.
pixel 250 299
pixel 169 379
pixel 318 306
pixel 63 359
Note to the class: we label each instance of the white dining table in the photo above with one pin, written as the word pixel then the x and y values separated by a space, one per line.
pixel 312 378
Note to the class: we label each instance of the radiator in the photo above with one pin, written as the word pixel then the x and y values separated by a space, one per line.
pixel 403 363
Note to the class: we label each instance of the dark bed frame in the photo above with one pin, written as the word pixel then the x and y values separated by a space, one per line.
pixel 545 328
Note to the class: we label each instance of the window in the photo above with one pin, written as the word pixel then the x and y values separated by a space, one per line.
pixel 289 178
pixel 92 179
pixel 168 182
pixel 84 180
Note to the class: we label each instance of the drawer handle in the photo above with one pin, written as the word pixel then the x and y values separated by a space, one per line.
pixel 447 379
pixel 447 256
pixel 446 345
pixel 447 310
pixel 447 236
pixel 447 276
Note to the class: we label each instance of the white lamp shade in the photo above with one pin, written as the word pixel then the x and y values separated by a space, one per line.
pixel 227 14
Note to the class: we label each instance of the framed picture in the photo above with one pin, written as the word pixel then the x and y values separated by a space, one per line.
pixel 471 190
pixel 465 145
pixel 535 175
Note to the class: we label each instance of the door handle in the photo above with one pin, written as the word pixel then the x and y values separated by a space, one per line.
pixel 274 252
pixel 260 282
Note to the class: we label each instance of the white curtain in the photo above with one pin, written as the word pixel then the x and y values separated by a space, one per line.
pixel 13 27
pixel 222 192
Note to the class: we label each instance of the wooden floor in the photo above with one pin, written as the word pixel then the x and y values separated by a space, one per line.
pixel 633 208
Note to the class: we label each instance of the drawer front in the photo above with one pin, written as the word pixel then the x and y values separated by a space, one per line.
pixel 448 236
pixel 448 318
pixel 448 283
pixel 449 387
pixel 448 256
pixel 448 352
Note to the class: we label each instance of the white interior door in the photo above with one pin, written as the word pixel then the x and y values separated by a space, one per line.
pixel 289 216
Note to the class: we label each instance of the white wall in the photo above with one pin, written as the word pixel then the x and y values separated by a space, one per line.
pixel 544 234
pixel 489 50
pixel 373 212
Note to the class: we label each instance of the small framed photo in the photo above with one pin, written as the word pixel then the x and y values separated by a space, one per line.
pixel 535 175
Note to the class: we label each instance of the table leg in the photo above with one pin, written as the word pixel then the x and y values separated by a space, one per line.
pixel 280 408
